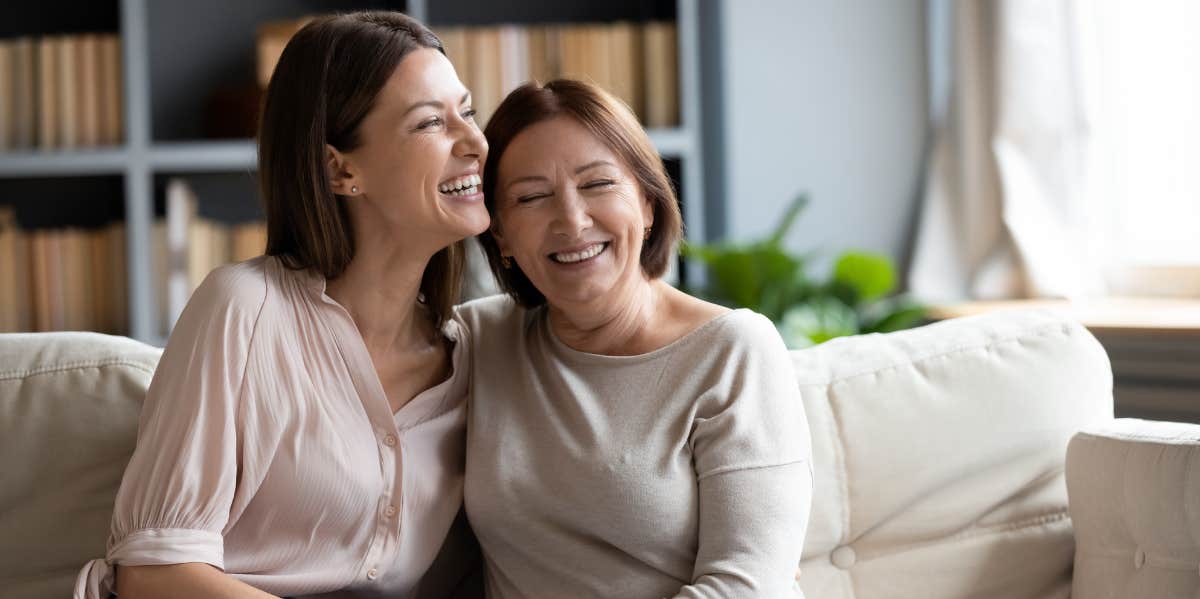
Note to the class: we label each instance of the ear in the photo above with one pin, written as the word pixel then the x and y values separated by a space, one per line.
pixel 647 212
pixel 338 170
pixel 501 242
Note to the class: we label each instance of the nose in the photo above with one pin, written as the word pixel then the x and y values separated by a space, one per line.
pixel 572 216
pixel 470 143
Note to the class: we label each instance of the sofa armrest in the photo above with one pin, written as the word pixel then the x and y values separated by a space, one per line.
pixel 1134 492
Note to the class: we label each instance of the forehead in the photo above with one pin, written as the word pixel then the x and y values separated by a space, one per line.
pixel 560 142
pixel 424 74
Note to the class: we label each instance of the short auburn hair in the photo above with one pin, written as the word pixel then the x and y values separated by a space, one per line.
pixel 324 85
pixel 615 126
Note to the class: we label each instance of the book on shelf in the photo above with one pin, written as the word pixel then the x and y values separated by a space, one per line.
pixel 188 246
pixel 60 92
pixel 487 90
pixel 544 61
pixel 111 111
pixel 24 93
pixel 15 299
pixel 46 59
pixel 661 51
pixel 7 95
pixel 272 37
pixel 637 62
pixel 67 103
pixel 181 211
pixel 61 279
pixel 625 54
pixel 87 58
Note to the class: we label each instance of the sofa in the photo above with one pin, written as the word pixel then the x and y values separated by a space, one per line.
pixel 973 458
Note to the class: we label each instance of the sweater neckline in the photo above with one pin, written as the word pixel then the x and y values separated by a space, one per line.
pixel 566 351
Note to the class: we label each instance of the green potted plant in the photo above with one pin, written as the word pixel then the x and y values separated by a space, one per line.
pixel 858 296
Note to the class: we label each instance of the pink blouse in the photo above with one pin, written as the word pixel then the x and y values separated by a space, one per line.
pixel 267 448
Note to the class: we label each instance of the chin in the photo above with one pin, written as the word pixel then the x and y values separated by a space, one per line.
pixel 577 294
pixel 470 225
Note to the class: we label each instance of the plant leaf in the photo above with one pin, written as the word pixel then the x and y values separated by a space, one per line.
pixel 789 218
pixel 817 321
pixel 871 275
pixel 903 316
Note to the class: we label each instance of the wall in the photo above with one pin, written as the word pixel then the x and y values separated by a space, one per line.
pixel 828 97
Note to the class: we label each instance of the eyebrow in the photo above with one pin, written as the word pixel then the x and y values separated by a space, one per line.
pixel 524 179
pixel 592 164
pixel 435 103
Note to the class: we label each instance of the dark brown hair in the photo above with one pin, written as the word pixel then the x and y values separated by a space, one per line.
pixel 614 125
pixel 325 83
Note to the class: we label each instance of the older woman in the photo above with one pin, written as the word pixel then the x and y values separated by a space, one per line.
pixel 304 430
pixel 625 438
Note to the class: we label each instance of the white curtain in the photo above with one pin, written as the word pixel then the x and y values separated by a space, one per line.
pixel 1008 210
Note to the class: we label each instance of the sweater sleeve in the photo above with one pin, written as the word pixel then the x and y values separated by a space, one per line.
pixel 752 454
pixel 177 491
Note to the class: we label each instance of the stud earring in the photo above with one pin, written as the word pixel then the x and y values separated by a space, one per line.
pixel 353 189
pixel 646 233
pixel 506 261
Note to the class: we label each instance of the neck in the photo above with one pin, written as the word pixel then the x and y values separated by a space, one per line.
pixel 379 289
pixel 610 328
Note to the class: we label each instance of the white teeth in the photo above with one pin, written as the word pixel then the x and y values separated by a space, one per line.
pixel 469 183
pixel 571 257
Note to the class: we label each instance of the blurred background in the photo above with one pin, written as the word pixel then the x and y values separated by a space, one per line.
pixel 844 166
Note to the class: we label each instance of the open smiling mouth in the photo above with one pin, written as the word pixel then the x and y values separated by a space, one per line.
pixel 583 255
pixel 461 187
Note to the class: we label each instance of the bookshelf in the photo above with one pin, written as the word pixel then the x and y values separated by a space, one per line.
pixel 174 52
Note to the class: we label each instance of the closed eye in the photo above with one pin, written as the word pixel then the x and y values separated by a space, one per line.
pixel 531 197
pixel 433 122
pixel 598 183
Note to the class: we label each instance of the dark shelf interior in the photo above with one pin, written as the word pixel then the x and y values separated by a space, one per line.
pixel 201 50
pixel 62 202
pixel 474 12
pixel 225 197
pixel 52 18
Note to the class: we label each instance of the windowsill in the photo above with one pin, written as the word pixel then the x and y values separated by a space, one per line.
pixel 1131 315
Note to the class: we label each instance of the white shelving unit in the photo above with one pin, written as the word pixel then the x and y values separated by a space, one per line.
pixel 142 157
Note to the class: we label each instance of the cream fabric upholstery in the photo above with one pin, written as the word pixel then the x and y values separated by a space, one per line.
pixel 69 405
pixel 1135 502
pixel 938 451
pixel 939 457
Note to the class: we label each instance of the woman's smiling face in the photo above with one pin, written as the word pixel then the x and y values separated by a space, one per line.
pixel 421 156
pixel 570 214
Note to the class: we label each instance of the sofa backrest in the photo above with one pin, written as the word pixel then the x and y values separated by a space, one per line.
pixel 69 405
pixel 939 457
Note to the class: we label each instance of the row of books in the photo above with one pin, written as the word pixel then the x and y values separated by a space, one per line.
pixel 62 279
pixel 188 246
pixel 637 62
pixel 60 92
pixel 74 279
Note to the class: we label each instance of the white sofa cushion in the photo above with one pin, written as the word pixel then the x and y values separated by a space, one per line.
pixel 69 405
pixel 939 457
pixel 1135 501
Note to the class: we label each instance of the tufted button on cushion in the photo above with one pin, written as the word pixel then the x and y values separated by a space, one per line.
pixel 939 452
pixel 844 557
pixel 1139 559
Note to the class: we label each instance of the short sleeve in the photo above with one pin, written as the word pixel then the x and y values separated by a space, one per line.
pixel 175 496
pixel 751 415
